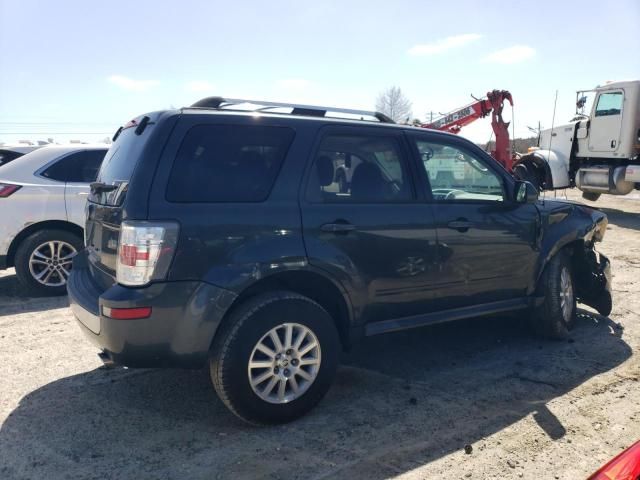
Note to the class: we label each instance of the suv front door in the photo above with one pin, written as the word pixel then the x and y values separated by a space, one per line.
pixel 487 241
pixel 376 237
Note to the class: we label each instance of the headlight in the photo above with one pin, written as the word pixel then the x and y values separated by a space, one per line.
pixel 601 229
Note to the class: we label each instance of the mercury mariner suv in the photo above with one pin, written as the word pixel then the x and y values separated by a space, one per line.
pixel 217 235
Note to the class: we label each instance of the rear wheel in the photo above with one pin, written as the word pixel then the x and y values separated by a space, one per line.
pixel 43 260
pixel 275 358
pixel 556 315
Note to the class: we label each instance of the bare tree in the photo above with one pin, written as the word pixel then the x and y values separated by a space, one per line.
pixel 394 104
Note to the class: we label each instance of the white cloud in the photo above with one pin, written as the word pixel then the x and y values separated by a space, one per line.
pixel 515 54
pixel 443 44
pixel 127 83
pixel 294 83
pixel 200 86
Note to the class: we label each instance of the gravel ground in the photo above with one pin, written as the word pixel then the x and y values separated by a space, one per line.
pixel 404 405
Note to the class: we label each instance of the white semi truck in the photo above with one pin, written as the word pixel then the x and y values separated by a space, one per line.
pixel 597 152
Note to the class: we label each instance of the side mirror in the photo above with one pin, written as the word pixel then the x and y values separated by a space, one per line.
pixel 526 192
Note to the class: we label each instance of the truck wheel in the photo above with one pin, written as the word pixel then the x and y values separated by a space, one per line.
pixel 343 186
pixel 275 358
pixel 527 173
pixel 556 316
pixel 591 196
pixel 43 260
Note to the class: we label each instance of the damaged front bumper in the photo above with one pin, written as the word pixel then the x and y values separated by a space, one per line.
pixel 593 281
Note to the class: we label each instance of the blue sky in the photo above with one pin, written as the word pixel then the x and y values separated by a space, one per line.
pixel 79 69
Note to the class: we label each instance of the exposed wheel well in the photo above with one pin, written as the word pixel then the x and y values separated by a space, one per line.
pixel 311 285
pixel 35 227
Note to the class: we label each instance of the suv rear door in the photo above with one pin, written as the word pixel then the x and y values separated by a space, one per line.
pixel 376 237
pixel 487 241
pixel 132 150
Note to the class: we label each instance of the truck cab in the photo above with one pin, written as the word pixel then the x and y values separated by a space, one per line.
pixel 598 151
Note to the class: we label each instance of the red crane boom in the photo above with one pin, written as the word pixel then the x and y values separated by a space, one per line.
pixel 493 104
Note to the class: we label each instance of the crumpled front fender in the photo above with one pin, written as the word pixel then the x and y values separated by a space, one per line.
pixel 593 280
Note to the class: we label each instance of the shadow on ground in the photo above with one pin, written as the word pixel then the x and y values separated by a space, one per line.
pixel 622 219
pixel 15 298
pixel 400 401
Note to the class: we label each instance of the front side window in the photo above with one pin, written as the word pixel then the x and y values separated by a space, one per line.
pixel 228 163
pixel 609 104
pixel 456 175
pixel 359 169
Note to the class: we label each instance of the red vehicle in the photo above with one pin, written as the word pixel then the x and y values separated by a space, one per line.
pixel 493 104
pixel 625 466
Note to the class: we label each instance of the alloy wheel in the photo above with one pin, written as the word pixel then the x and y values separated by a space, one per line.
pixel 50 263
pixel 566 294
pixel 284 363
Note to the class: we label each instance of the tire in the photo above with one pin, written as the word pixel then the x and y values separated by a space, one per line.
pixel 236 344
pixel 557 314
pixel 30 264
pixel 527 173
pixel 343 186
pixel 591 196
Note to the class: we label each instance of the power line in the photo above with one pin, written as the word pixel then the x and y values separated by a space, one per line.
pixel 5 122
pixel 46 132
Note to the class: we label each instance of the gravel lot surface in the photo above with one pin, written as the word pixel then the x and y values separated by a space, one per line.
pixel 404 405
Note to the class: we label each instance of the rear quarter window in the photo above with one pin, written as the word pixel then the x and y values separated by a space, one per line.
pixel 7 156
pixel 80 167
pixel 228 163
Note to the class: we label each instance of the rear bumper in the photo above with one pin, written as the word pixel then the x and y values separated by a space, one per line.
pixel 184 319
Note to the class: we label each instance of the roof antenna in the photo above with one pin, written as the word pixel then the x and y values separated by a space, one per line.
pixel 553 121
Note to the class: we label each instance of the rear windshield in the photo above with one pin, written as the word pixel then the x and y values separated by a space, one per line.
pixel 228 163
pixel 118 166
pixel 7 155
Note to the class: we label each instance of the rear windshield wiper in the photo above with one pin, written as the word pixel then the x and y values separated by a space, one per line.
pixel 99 187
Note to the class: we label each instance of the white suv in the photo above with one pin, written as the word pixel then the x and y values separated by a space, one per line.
pixel 42 200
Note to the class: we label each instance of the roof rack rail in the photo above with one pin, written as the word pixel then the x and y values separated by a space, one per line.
pixel 220 103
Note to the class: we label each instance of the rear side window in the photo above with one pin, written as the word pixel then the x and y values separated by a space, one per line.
pixel 79 167
pixel 228 163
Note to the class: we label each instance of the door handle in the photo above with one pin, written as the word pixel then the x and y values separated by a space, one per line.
pixel 337 227
pixel 83 194
pixel 461 225
pixel 613 144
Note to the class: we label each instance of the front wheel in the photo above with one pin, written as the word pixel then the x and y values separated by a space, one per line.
pixel 556 315
pixel 343 186
pixel 274 358
pixel 527 172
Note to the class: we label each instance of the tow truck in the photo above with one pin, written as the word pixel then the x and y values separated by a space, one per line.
pixel 493 104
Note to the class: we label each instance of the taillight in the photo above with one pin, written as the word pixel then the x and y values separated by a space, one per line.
pixel 625 466
pixel 134 313
pixel 145 251
pixel 7 189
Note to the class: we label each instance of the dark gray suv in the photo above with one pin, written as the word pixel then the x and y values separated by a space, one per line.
pixel 218 234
